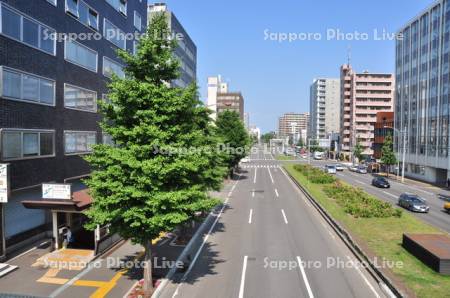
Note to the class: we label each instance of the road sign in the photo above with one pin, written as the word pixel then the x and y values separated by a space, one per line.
pixel 4 183
pixel 56 191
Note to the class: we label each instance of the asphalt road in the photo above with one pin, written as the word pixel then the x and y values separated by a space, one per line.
pixel 436 217
pixel 266 231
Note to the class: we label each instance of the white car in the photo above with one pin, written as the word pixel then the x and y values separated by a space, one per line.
pixel 340 167
pixel 245 160
pixel 330 169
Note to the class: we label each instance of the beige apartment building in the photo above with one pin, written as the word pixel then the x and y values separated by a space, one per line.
pixel 293 125
pixel 363 95
pixel 221 99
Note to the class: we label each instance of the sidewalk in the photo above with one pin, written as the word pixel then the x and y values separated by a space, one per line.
pixel 111 275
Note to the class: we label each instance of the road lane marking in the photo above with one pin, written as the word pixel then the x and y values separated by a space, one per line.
pixel 359 181
pixel 424 191
pixel 253 193
pixel 230 193
pixel 284 216
pixel 276 192
pixel 250 216
pixel 389 194
pixel 270 174
pixel 244 269
pixel 305 279
pixel 363 276
pixel 254 178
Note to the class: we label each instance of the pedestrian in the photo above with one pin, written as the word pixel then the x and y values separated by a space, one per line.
pixel 448 182
pixel 69 237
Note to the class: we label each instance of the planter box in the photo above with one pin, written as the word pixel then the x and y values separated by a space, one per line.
pixel 432 250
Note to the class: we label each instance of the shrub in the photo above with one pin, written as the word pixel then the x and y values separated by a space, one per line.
pixel 360 204
pixel 315 175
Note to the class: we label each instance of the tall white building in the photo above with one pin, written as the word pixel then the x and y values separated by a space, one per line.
pixel 324 108
pixel 215 86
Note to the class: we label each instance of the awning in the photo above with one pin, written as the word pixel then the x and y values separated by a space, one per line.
pixel 81 200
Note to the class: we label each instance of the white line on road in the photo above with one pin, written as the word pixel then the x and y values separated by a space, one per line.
pixel 359 181
pixel 250 216
pixel 276 193
pixel 389 194
pixel 253 193
pixel 305 279
pixel 284 216
pixel 270 174
pixel 254 179
pixel 363 276
pixel 244 269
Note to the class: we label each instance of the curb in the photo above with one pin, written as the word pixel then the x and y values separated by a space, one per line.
pixel 183 255
pixel 385 282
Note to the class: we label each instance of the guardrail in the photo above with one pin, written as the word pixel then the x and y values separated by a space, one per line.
pixel 385 282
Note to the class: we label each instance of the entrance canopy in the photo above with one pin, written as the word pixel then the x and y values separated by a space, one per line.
pixel 80 201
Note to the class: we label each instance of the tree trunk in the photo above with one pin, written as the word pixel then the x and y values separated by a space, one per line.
pixel 148 279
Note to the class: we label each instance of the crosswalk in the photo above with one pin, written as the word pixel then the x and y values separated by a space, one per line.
pixel 260 166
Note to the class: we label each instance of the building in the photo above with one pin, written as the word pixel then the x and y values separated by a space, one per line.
pixel 247 121
pixel 221 99
pixel 422 93
pixel 255 131
pixel 48 99
pixel 186 51
pixel 383 127
pixel 363 95
pixel 324 108
pixel 292 125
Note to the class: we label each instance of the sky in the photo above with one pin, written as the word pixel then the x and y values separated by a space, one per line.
pixel 241 40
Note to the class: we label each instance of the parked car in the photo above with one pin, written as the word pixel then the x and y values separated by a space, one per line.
pixel 339 167
pixel 330 169
pixel 380 182
pixel 447 207
pixel 353 168
pixel 413 203
pixel 245 160
pixel 318 155
pixel 361 170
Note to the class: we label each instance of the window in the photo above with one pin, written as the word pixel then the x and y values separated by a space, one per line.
pixel 76 142
pixel 107 140
pixel 80 98
pixel 52 2
pixel 27 30
pixel 110 67
pixel 137 21
pixel 135 47
pixel 27 87
pixel 83 12
pixel 113 34
pixel 80 55
pixel 119 5
pixel 20 144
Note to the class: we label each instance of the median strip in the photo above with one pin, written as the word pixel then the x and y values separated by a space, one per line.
pixel 380 237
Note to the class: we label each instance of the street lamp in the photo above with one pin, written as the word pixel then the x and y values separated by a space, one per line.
pixel 403 136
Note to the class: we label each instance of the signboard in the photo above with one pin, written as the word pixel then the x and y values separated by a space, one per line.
pixel 56 191
pixel 4 183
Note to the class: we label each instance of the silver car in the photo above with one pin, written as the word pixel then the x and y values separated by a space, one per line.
pixel 413 203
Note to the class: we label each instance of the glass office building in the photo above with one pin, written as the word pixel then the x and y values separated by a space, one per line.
pixel 422 93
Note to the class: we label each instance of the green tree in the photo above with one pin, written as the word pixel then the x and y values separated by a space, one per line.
pixel 358 151
pixel 234 136
pixel 388 157
pixel 164 161
pixel 268 136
